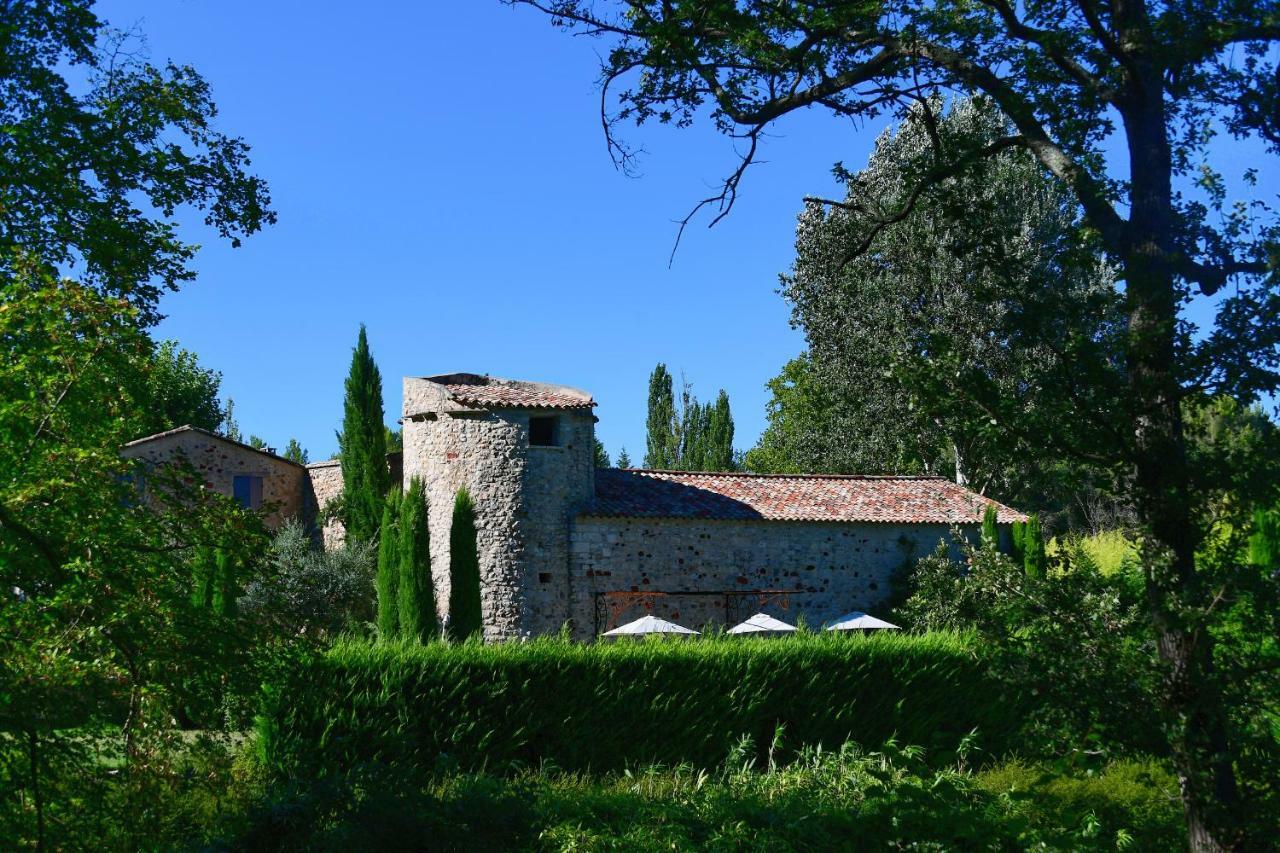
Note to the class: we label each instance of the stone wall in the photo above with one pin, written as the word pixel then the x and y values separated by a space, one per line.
pixel 220 460
pixel 524 498
pixel 325 480
pixel 557 483
pixel 830 568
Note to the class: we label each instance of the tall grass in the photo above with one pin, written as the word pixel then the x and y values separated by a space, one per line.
pixel 848 798
pixel 605 707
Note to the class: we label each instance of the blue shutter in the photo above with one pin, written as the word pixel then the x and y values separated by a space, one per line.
pixel 242 490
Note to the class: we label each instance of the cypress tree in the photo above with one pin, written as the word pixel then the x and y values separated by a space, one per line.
pixel 990 529
pixel 389 568
pixel 601 455
pixel 1018 538
pixel 662 440
pixel 363 445
pixel 295 452
pixel 465 618
pixel 204 570
pixel 1033 545
pixel 224 583
pixel 415 593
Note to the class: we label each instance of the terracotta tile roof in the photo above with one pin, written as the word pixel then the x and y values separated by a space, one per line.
pixel 471 389
pixel 782 497
pixel 515 397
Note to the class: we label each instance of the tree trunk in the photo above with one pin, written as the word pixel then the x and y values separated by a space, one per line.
pixel 1195 713
pixel 961 478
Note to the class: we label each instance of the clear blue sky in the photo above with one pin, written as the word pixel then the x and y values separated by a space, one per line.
pixel 443 179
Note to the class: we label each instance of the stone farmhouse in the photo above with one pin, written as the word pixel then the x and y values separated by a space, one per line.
pixel 562 543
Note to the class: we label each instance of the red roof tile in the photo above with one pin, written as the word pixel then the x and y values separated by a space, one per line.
pixel 808 497
pixel 515 397
pixel 472 389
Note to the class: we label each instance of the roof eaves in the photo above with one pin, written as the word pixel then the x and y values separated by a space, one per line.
pixel 210 434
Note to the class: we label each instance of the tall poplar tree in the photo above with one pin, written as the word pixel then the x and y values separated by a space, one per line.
pixel 465 618
pixel 363 446
pixel 719 443
pixel 415 591
pixel 662 434
pixel 694 423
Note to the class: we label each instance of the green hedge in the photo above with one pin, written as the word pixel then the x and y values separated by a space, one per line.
pixel 603 707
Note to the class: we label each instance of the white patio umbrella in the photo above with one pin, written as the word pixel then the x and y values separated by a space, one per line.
pixel 858 621
pixel 647 625
pixel 762 624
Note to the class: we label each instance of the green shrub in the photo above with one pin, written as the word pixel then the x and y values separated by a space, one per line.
pixel 608 706
pixel 990 528
pixel 1140 797
pixel 311 591
pixel 1072 639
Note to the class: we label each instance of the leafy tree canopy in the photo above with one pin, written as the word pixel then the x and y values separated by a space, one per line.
pixel 295 452
pixel 181 391
pixel 100 148
pixel 990 280
pixel 662 428
pixel 98 625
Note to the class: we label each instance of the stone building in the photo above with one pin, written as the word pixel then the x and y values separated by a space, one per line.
pixel 562 543
pixel 259 479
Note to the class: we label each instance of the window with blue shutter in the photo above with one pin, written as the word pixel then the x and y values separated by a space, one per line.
pixel 247 490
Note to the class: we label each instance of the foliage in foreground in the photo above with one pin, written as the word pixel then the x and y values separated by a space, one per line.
pixel 1075 640
pixel 847 799
pixel 99 622
pixel 604 706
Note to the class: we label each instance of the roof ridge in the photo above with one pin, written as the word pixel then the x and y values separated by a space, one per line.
pixel 211 434
pixel 808 476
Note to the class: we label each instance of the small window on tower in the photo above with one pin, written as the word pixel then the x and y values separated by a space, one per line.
pixel 542 432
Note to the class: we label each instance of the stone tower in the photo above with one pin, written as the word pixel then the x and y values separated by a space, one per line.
pixel 525 452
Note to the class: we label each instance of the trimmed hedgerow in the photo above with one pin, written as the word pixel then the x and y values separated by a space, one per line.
pixel 603 707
